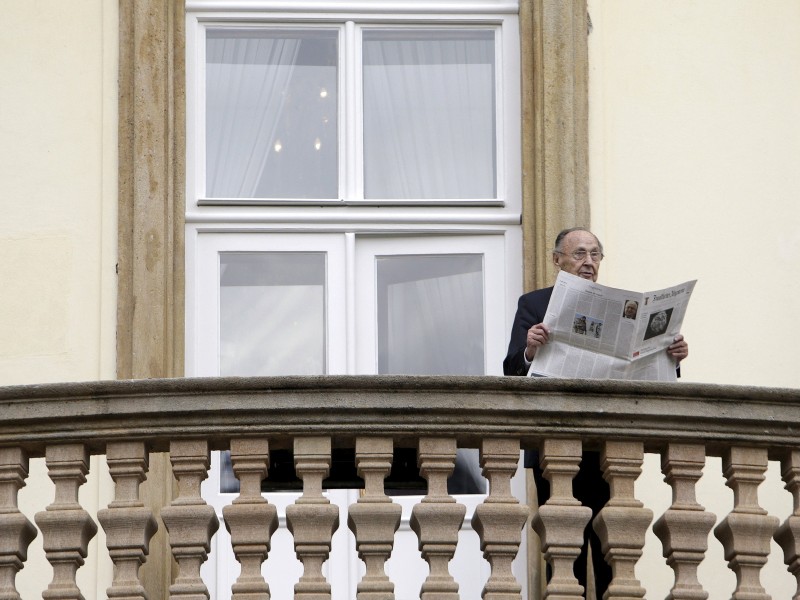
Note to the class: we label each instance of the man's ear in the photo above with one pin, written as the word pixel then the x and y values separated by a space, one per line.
pixel 555 260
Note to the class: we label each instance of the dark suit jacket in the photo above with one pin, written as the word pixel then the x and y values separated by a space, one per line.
pixel 531 309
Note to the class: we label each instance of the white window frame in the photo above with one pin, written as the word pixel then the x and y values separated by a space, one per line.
pixel 351 17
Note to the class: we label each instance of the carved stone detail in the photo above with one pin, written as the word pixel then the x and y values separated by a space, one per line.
pixel 437 518
pixel 250 519
pixel 788 534
pixel 189 520
pixel 747 531
pixel 561 520
pixel 312 519
pixel 622 523
pixel 128 524
pixel 683 528
pixel 66 527
pixel 500 518
pixel 374 518
pixel 16 531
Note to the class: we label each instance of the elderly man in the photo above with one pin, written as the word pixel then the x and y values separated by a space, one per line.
pixel 579 252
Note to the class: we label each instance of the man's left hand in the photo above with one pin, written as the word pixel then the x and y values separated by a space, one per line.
pixel 679 349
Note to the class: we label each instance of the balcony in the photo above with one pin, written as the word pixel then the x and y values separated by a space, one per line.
pixel 313 417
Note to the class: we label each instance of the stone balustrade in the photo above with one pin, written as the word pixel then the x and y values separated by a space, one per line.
pixel 128 420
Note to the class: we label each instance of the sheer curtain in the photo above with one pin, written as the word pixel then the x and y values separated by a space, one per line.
pixel 429 114
pixel 272 313
pixel 435 326
pixel 246 79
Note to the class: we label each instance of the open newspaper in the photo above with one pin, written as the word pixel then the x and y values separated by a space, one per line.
pixel 602 332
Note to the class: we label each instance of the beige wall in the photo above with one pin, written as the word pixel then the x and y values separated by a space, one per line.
pixel 58 199
pixel 695 174
pixel 695 171
pixel 57 190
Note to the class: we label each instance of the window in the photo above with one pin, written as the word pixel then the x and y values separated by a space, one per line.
pixel 408 109
pixel 353 168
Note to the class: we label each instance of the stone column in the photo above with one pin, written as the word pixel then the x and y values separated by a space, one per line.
pixel 189 520
pixel 622 523
pixel 683 528
pixel 788 534
pixel 561 520
pixel 500 518
pixel 374 518
pixel 437 518
pixel 250 519
pixel 128 524
pixel 16 531
pixel 151 208
pixel 66 527
pixel 747 531
pixel 312 519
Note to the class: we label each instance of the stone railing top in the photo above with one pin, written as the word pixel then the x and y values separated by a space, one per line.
pixel 404 407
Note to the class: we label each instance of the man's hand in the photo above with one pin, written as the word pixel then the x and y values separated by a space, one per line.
pixel 537 336
pixel 678 350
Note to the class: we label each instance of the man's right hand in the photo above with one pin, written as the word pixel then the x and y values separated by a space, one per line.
pixel 537 337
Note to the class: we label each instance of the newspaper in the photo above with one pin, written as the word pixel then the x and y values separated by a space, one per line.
pixel 602 332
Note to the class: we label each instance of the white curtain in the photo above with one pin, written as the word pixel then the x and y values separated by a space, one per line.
pixel 433 323
pixel 272 313
pixel 429 114
pixel 246 80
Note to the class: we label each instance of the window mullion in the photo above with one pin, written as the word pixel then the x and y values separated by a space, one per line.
pixel 351 138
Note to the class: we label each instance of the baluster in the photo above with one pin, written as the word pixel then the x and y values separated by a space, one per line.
pixel 189 520
pixel 128 524
pixel 622 523
pixel 437 518
pixel 560 522
pixel 788 534
pixel 16 531
pixel 500 518
pixel 66 527
pixel 683 528
pixel 312 519
pixel 250 519
pixel 374 518
pixel 747 531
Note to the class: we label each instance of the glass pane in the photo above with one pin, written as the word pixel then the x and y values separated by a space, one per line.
pixel 429 113
pixel 271 106
pixel 430 315
pixel 272 313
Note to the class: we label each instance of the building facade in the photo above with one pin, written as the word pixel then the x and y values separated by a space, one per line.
pixel 668 128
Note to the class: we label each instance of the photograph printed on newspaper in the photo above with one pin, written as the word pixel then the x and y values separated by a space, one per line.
pixel 602 332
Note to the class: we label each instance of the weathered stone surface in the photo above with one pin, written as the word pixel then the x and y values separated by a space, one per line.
pixel 561 520
pixel 746 532
pixel 500 518
pixel 16 531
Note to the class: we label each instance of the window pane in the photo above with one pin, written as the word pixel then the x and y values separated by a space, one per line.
pixel 271 106
pixel 429 113
pixel 272 313
pixel 430 315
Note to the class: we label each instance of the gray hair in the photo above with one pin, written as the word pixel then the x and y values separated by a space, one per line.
pixel 564 232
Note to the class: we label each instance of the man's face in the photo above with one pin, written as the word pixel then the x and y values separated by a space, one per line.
pixel 573 242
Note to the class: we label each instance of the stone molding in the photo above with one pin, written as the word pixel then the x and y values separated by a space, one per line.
pixel 152 182
pixel 468 408
pixel 555 128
